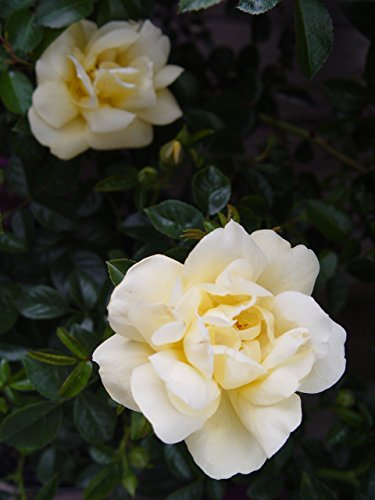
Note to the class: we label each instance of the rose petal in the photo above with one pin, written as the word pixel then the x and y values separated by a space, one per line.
pixel 151 43
pixel 138 134
pixel 270 425
pixel 211 445
pixel 165 111
pixel 117 357
pixel 149 392
pixel 281 383
pixel 185 382
pixel 233 368
pixel 288 268
pixel 198 349
pixel 167 75
pixel 106 119
pixel 329 369
pixel 218 249
pixel 53 103
pixel 66 142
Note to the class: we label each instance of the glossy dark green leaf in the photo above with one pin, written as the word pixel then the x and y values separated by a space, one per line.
pixel 193 490
pixel 42 302
pixel 11 244
pixel 366 489
pixel 72 343
pixel 314 35
pixel 8 7
pixel 50 219
pixel 139 426
pixel 52 359
pixel 117 268
pixel 313 489
pixel 48 490
pixel 256 7
pixel 173 217
pixel 46 378
pixel 17 178
pixel 118 182
pixel 102 484
pixel 8 310
pixel 16 91
pixel 83 290
pixel 177 462
pixel 60 13
pixel 211 190
pixel 333 223
pixel 188 5
pixel 23 31
pixel 77 380
pixel 31 427
pixel 94 419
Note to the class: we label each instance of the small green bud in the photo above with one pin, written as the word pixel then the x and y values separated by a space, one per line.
pixel 172 154
pixel 147 177
pixel 138 457
pixel 345 398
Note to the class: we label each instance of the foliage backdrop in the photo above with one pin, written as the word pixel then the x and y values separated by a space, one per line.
pixel 63 221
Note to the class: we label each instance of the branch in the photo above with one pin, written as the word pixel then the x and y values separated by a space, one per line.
pixel 312 137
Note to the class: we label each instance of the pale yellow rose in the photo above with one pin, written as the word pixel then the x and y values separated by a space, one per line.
pixel 213 351
pixel 103 88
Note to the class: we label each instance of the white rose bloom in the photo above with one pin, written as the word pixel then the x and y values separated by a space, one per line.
pixel 103 88
pixel 213 351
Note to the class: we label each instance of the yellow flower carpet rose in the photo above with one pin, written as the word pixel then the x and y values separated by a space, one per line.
pixel 103 88
pixel 213 351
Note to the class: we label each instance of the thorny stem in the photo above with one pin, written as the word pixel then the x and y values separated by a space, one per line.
pixel 314 138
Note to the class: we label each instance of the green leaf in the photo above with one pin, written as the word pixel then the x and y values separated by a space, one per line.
pixel 83 290
pixel 50 219
pixel 46 378
pixel 11 244
pixel 31 427
pixel 42 302
pixel 60 13
pixel 94 419
pixel 16 91
pixel 177 462
pixel 331 222
pixel 118 182
pixel 52 359
pixel 193 490
pixel 256 7
pixel 8 310
pixel 328 266
pixel 77 380
pixel 314 35
pixel 211 190
pixel 173 217
pixel 16 177
pixel 188 5
pixel 139 426
pixel 117 268
pixel 102 484
pixel 73 344
pixel 8 7
pixel 48 490
pixel 24 34
pixel 313 489
pixel 366 489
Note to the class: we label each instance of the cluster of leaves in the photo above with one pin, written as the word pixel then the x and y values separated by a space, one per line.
pixel 62 221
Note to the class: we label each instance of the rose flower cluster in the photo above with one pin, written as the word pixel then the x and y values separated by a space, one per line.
pixel 213 351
